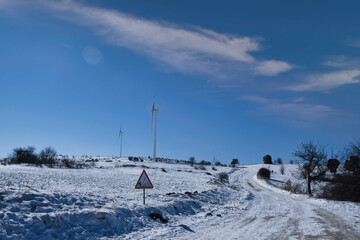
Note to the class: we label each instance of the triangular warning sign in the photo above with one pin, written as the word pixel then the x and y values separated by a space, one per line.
pixel 144 181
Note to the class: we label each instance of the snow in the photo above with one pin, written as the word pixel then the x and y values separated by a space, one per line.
pixel 102 203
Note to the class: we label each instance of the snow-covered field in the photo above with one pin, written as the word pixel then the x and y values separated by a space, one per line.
pixel 102 203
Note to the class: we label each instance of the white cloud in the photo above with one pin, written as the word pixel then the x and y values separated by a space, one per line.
pixel 297 111
pixel 273 67
pixel 342 61
pixel 327 81
pixel 190 49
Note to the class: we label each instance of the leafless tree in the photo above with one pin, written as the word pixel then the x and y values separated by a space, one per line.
pixel 311 159
pixel 47 156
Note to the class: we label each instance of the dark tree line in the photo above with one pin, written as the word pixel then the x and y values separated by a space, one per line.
pixel 343 184
pixel 46 157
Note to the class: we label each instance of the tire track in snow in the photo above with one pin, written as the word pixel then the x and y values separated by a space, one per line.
pixel 304 220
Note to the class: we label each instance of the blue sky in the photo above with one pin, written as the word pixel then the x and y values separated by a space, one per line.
pixel 238 79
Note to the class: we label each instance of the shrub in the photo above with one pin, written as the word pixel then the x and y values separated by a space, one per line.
pixel 192 161
pixel 293 188
pixel 223 177
pixel 234 162
pixel 203 162
pixel 282 169
pixel 279 161
pixel 47 156
pixel 24 155
pixel 353 164
pixel 267 159
pixel 263 173
pixel 67 163
pixel 332 165
pixel 217 163
pixel 202 168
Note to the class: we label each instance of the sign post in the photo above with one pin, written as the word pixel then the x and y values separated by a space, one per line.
pixel 144 183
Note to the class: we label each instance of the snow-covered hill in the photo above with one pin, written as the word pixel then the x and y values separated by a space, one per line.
pixel 102 202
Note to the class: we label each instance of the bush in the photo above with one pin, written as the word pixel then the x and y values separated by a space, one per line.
pixel 203 162
pixel 293 188
pixel 47 156
pixel 282 169
pixel 347 190
pixel 345 186
pixel 332 165
pixel 279 161
pixel 234 162
pixel 191 161
pixel 263 173
pixel 67 163
pixel 223 177
pixel 217 163
pixel 24 155
pixel 202 168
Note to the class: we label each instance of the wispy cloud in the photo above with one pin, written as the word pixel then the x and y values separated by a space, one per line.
pixel 342 61
pixel 327 81
pixel 291 110
pixel 185 49
pixel 273 67
pixel 353 42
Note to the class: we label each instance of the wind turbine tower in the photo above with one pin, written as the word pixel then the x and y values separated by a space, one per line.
pixel 154 111
pixel 120 136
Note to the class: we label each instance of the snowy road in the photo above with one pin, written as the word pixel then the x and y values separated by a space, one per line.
pixel 101 203
pixel 267 213
pixel 281 216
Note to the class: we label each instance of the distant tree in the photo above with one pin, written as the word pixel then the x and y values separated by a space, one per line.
pixel 24 155
pixel 311 159
pixel 291 161
pixel 234 162
pixel 332 165
pixel 192 160
pixel 267 159
pixel 47 156
pixel 279 161
pixel 345 185
pixel 203 162
pixel 352 165
pixel 217 163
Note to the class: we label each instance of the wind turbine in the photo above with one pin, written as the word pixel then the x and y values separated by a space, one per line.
pixel 120 136
pixel 154 111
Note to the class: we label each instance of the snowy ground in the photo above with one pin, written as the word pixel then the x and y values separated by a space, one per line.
pixel 102 203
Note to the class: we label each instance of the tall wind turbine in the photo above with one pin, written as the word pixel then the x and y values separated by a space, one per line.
pixel 120 136
pixel 154 111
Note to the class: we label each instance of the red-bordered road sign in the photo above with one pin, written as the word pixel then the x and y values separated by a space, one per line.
pixel 144 182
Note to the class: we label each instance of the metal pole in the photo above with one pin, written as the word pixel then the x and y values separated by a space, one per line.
pixel 144 197
pixel 154 154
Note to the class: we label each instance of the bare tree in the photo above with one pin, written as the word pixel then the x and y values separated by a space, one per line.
pixel 192 160
pixel 311 159
pixel 47 156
